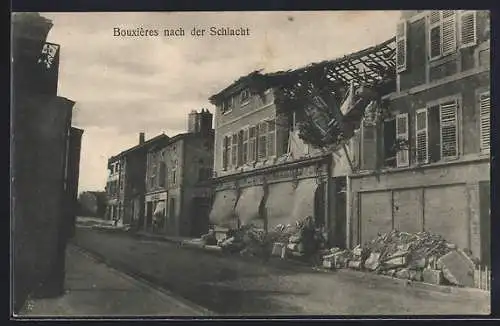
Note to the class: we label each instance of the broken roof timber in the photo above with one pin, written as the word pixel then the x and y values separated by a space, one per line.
pixel 382 65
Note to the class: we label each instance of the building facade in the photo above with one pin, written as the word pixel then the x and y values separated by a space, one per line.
pixel 44 158
pixel 265 174
pixel 177 194
pixel 125 186
pixel 440 110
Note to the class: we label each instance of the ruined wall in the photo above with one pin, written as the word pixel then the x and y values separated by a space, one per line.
pixel 441 198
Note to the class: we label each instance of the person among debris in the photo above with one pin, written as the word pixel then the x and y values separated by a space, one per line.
pixel 309 242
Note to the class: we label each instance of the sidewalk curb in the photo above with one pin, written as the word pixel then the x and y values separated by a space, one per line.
pixel 139 278
pixel 413 284
pixel 402 282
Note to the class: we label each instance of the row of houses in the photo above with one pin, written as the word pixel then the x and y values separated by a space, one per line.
pixel 157 185
pixel 435 98
pixel 415 115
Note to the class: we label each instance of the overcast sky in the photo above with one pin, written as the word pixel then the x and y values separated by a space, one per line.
pixel 123 86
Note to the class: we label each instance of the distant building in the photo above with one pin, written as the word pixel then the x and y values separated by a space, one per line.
pixel 125 186
pixel 176 199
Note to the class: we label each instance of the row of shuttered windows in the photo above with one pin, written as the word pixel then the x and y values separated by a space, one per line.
pixel 436 132
pixel 248 145
pixel 447 30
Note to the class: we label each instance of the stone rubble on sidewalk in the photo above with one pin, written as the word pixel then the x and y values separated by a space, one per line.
pixel 421 256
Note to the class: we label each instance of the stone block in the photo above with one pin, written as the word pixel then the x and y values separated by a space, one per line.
pixel 457 268
pixel 432 276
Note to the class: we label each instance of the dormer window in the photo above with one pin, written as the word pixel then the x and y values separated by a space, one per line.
pixel 245 97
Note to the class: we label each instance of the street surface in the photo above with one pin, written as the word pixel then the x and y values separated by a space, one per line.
pixel 93 289
pixel 237 286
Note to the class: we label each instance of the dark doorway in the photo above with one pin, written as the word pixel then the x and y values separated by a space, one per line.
pixel 340 212
pixel 149 215
pixel 485 222
pixel 319 205
pixel 199 217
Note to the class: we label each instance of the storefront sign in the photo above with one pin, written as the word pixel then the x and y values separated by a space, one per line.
pixel 157 196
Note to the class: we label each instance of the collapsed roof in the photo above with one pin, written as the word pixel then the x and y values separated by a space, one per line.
pixel 373 66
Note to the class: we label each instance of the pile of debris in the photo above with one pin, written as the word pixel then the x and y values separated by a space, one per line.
pixel 421 256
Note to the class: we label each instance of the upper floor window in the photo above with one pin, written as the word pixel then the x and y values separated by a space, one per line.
pixel 450 29
pixel 227 105
pixel 245 97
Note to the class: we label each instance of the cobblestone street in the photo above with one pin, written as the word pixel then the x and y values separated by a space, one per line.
pixel 236 286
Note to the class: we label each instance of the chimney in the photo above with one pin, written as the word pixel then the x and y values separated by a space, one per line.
pixel 141 138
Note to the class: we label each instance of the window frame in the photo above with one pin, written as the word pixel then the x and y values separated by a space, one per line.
pixel 273 133
pixel 441 24
pixel 244 101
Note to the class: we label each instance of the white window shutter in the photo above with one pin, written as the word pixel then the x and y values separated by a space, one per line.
pixel 449 31
pixel 421 136
pixel 484 122
pixel 401 46
pixel 449 129
pixel 468 28
pixel 402 156
pixel 434 37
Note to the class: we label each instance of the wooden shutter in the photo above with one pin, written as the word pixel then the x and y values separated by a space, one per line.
pixel 234 150
pixel 434 38
pixel 449 31
pixel 401 46
pixel 468 28
pixel 252 144
pixel 244 149
pixel 484 122
pixel 271 138
pixel 262 141
pixel 402 156
pixel 449 132
pixel 421 136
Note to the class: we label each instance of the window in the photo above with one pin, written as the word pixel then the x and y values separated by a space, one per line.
pixel 174 175
pixel 442 133
pixel 262 141
pixel 442 33
pixel 252 144
pixel 402 155
pixel 245 97
pixel 152 178
pixel 244 148
pixel 390 143
pixel 484 122
pixel 226 155
pixel 401 46
pixel 162 174
pixel 240 148
pixel 234 150
pixel 421 137
pixel 227 105
pixel 468 29
pixel 271 138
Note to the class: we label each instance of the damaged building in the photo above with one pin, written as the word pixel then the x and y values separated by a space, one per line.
pixel 424 154
pixel 267 173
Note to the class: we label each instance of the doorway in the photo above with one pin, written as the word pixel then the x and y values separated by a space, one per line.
pixel 485 222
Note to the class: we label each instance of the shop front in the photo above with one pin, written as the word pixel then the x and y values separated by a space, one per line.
pixel 272 196
pixel 155 208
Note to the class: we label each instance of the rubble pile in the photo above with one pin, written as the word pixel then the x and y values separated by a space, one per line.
pixel 421 256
